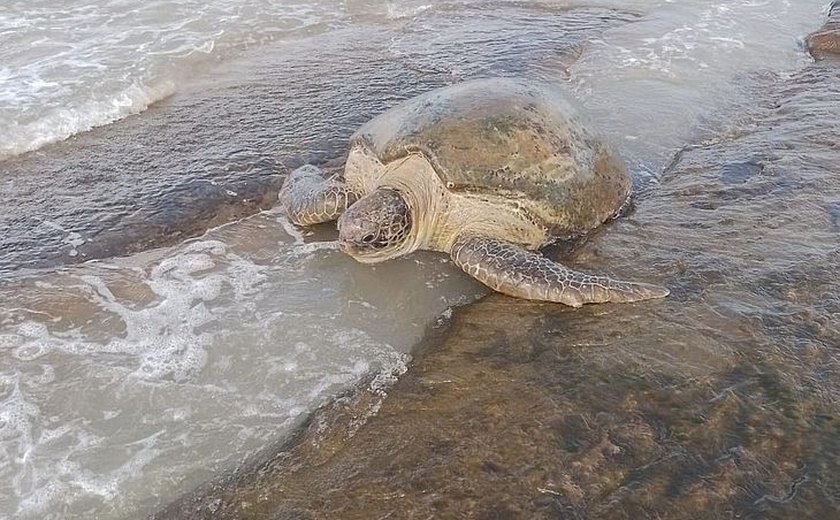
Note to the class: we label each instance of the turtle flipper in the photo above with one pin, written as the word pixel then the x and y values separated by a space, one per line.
pixel 515 271
pixel 309 198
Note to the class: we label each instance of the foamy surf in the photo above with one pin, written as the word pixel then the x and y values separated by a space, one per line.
pixel 59 123
pixel 118 373
pixel 127 381
pixel 68 67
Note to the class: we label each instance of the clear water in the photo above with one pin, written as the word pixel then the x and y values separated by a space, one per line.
pixel 718 402
pixel 68 66
pixel 125 382
pixel 124 379
pixel 683 62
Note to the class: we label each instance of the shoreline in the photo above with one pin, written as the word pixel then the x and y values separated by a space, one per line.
pixel 218 149
pixel 722 395
pixel 517 409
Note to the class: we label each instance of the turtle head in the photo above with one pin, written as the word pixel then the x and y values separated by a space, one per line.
pixel 377 227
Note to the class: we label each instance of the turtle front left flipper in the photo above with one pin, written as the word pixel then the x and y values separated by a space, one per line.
pixel 310 198
pixel 515 271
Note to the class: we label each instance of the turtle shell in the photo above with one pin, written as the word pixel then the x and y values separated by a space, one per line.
pixel 507 138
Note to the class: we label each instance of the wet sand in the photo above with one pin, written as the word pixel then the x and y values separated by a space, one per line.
pixel 721 401
pixel 128 381
pixel 219 149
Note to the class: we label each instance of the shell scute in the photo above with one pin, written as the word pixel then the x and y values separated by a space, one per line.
pixel 510 139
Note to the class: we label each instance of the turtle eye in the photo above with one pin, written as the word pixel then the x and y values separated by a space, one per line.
pixel 367 239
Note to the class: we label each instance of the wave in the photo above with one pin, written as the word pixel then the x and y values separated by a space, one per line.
pixel 59 123
pixel 70 66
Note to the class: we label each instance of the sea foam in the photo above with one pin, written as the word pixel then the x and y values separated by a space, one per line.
pixel 67 66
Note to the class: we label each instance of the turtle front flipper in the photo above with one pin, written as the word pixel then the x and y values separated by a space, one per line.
pixel 515 271
pixel 309 198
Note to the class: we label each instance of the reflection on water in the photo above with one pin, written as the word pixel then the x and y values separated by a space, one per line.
pixel 126 381
pixel 721 401
pixel 216 151
pixel 122 379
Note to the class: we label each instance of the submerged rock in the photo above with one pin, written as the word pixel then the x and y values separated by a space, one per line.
pixel 720 402
pixel 826 41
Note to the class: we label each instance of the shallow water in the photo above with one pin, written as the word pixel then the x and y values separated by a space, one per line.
pixel 123 378
pixel 68 66
pixel 720 401
pixel 127 381
pixel 218 150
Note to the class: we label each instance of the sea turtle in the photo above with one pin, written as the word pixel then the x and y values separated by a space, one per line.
pixel 488 171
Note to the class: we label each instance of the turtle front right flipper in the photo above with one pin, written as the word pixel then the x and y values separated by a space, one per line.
pixel 310 198
pixel 512 270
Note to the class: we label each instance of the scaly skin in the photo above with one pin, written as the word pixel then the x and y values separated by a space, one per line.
pixel 512 270
pixel 494 261
pixel 826 41
pixel 486 171
pixel 309 198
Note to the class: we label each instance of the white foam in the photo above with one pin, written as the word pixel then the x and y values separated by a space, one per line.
pixel 59 123
pixel 70 66
pixel 296 234
pixel 69 477
pixel 188 350
pixel 397 12
pixel 31 351
pixel 10 341
pixel 164 335
pixel 15 415
pixel 162 341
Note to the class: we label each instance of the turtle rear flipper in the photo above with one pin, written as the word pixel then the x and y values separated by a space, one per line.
pixel 310 198
pixel 515 271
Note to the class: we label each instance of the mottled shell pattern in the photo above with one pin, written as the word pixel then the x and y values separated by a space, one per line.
pixel 511 139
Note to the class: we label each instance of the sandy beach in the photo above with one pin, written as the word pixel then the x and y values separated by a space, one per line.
pixel 171 346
